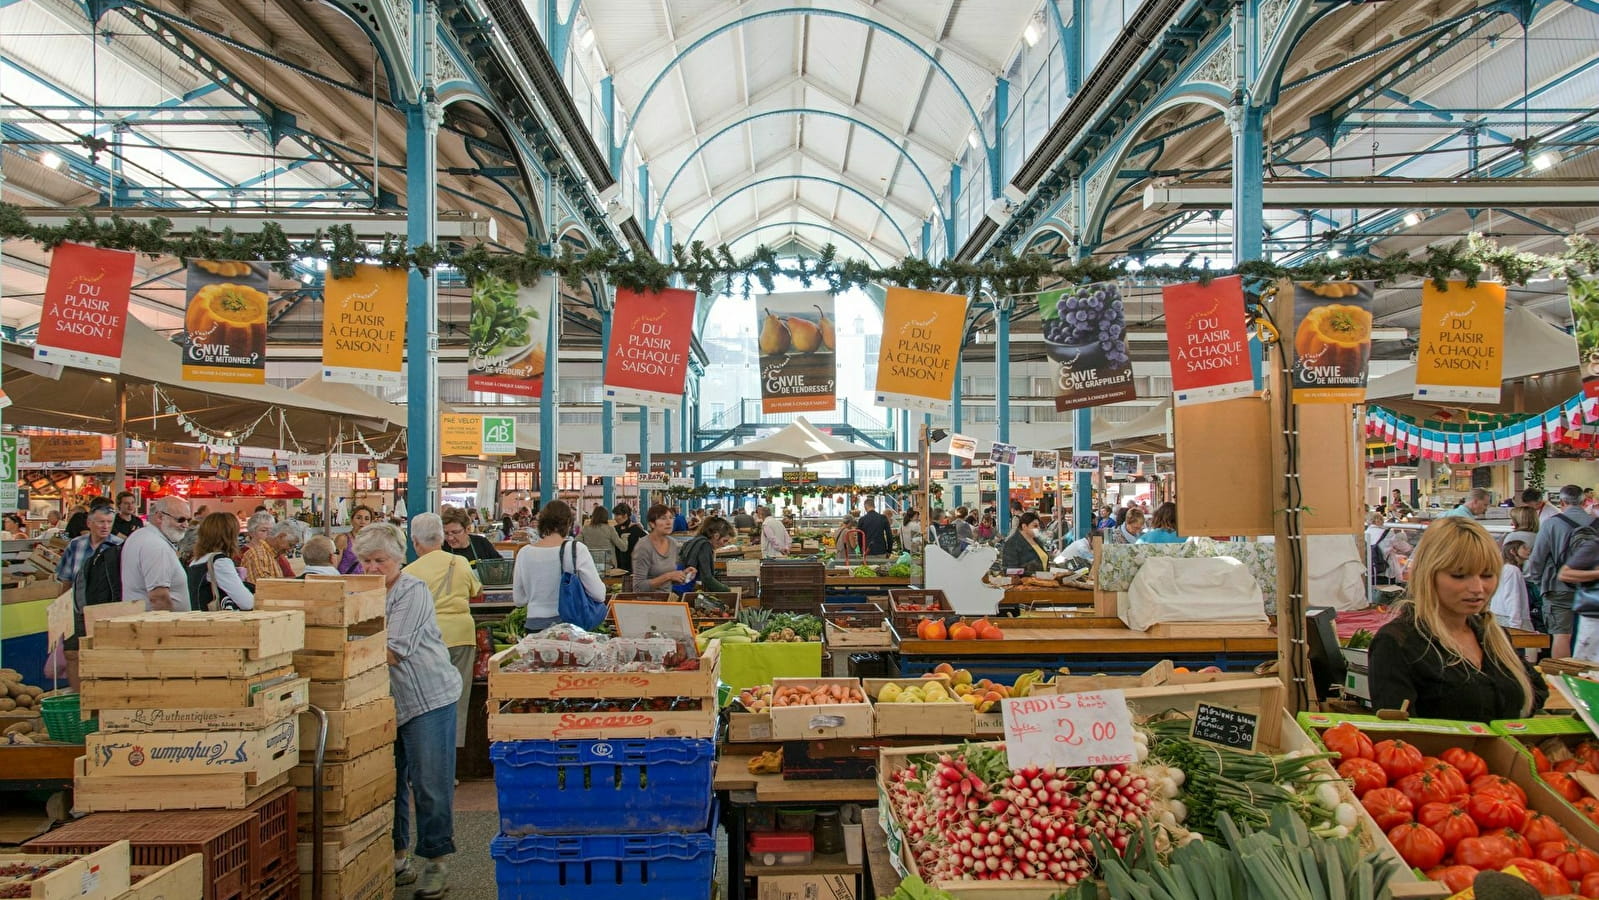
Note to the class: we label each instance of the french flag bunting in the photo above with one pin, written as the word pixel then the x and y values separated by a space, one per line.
pixel 1552 426
pixel 1518 440
pixel 1590 408
pixel 1455 448
pixel 1389 427
pixel 1534 435
pixel 1502 443
pixel 1469 451
pixel 1432 443
pixel 1574 411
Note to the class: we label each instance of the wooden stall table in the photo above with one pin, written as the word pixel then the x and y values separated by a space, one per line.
pixel 33 767
pixel 739 791
pixel 1020 597
pixel 879 584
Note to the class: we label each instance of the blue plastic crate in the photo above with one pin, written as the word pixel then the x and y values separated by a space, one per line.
pixel 604 787
pixel 605 866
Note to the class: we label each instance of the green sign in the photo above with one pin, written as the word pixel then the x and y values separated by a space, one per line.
pixel 8 473
pixel 499 435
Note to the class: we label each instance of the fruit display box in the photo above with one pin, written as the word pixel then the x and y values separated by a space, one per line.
pixel 261 754
pixel 512 685
pixel 893 715
pixel 907 606
pixel 821 721
pixel 101 875
pixel 658 717
pixel 269 704
pixel 1563 752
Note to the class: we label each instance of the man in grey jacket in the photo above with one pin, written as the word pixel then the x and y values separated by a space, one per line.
pixel 1549 553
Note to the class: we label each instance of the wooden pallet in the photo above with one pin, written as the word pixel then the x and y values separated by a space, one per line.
pixel 271 704
pixel 177 693
pixel 259 755
pixel 326 601
pixel 138 793
pixel 341 653
pixel 351 732
pixel 343 843
pixel 370 685
pixel 94 662
pixel 368 875
pixel 264 633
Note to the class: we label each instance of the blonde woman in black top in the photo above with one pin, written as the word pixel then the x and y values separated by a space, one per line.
pixel 1444 653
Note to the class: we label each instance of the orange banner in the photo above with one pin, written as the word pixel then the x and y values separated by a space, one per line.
pixel 921 342
pixel 1461 355
pixel 363 327
pixel 460 435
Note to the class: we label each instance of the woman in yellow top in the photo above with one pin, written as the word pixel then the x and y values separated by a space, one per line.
pixel 451 581
pixel 1022 550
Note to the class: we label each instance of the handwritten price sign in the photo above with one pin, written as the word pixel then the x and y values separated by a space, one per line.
pixel 1069 730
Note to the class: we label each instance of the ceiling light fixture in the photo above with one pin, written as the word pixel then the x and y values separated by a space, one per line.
pixel 1547 160
pixel 1334 253
pixel 1412 219
pixel 972 139
pixel 50 159
pixel 1032 33
pixel 587 40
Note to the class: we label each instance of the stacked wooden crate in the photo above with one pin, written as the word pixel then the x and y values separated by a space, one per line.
pixel 345 657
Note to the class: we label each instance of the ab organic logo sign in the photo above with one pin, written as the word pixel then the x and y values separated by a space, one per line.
pixel 499 435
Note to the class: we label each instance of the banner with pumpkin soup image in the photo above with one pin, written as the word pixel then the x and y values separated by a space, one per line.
pixel 507 336
pixel 225 327
pixel 797 340
pixel 1332 341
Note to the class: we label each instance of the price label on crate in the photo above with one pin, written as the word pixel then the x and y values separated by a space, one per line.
pixel 1225 727
pixel 1090 728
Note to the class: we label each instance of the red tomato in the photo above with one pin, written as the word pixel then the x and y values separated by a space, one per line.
pixel 1587 751
pixel 1364 774
pixel 1590 886
pixel 1589 807
pixel 1567 766
pixel 1388 807
pixel 1449 776
pixel 1430 814
pixel 1347 741
pixel 1470 764
pixel 1538 828
pixel 1494 809
pixel 1483 852
pixel 1418 845
pixel 1572 859
pixel 1540 762
pixel 1498 783
pixel 1397 758
pixel 1453 826
pixel 1541 875
pixel 1565 785
pixel 1456 878
pixel 1423 788
pixel 1519 845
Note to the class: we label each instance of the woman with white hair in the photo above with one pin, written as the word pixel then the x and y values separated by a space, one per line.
pixel 426 688
pixel 260 558
pixel 453 584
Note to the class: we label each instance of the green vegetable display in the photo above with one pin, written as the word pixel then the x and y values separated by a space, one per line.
pixel 1360 640
pixel 913 888
pixel 498 321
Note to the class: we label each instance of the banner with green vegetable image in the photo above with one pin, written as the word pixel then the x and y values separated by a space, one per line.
pixel 508 331
pixel 1584 294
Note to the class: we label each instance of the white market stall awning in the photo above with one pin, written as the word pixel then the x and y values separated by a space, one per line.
pixel 798 443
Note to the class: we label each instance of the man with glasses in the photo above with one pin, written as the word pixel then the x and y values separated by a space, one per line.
pixel 151 571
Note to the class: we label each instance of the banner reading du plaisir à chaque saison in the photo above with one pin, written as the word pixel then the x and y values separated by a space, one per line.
pixel 647 359
pixel 85 312
pixel 1208 340
pixel 922 334
pixel 363 327
pixel 1461 354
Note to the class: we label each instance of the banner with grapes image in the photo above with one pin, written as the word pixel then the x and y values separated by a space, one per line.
pixel 1208 340
pixel 1084 331
pixel 1584 294
pixel 1332 341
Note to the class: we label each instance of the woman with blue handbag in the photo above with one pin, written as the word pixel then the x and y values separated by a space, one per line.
pixel 553 565
pixel 697 558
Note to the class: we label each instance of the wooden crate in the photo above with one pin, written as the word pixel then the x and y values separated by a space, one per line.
pixel 509 726
pixel 749 728
pixel 353 803
pixel 823 722
pixel 937 719
pixel 130 793
pixel 341 779
pixel 1263 696
pixel 601 685
pixel 339 654
pixel 878 637
pixel 351 732
pixel 325 600
pixel 343 843
pixel 270 704
pixel 367 876
pixel 264 633
pixel 102 875
pixel 95 663
pixel 177 693
pixel 259 754
pixel 182 880
pixel 373 684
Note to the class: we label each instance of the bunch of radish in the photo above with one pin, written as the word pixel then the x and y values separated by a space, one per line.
pixel 967 815
pixel 1451 818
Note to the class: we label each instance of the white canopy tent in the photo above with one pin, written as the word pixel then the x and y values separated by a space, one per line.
pixel 798 443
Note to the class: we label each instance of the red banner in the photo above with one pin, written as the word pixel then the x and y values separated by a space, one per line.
pixel 85 310
pixel 647 359
pixel 1208 341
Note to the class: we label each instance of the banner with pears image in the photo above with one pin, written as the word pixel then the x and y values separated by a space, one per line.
pixel 225 329
pixel 507 336
pixel 797 341
pixel 922 334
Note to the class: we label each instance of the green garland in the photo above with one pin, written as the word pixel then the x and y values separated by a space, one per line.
pixel 702 267
pixel 798 491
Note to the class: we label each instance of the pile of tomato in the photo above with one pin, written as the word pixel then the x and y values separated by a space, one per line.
pixel 1451 818
pixel 1584 757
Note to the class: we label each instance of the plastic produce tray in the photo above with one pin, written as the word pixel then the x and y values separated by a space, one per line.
pixel 617 787
pixel 605 866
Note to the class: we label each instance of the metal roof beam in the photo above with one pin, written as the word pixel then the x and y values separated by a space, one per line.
pixel 1365 194
pixel 776 178
pixel 852 239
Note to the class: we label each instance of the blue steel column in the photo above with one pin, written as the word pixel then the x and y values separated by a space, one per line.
pixel 1002 406
pixel 1248 170
pixel 955 427
pixel 422 316
pixel 1083 483
pixel 607 412
pixel 643 458
pixel 549 409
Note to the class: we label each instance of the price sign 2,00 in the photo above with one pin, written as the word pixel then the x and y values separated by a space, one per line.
pixel 1091 728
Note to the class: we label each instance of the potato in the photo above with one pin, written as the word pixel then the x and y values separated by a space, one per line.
pixel 25 701
pixel 7 704
pixel 20 728
pixel 18 739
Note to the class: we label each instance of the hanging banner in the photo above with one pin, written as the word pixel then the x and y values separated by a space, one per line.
pixel 795 334
pixel 1332 341
pixel 8 473
pixel 962 446
pixel 460 435
pixel 363 327
pixel 1085 331
pixel 49 448
pixel 1046 463
pixel 1001 454
pixel 224 332
pixel 922 334
pixel 605 465
pixel 1208 341
pixel 954 477
pixel 177 456
pixel 507 336
pixel 1086 462
pixel 85 311
pixel 648 356
pixel 498 437
pixel 1461 354
pixel 1584 294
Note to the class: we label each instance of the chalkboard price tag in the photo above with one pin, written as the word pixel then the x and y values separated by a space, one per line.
pixel 1225 727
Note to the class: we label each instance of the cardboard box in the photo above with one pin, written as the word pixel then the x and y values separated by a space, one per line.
pixel 261 753
pixel 824 722
pixel 806 887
